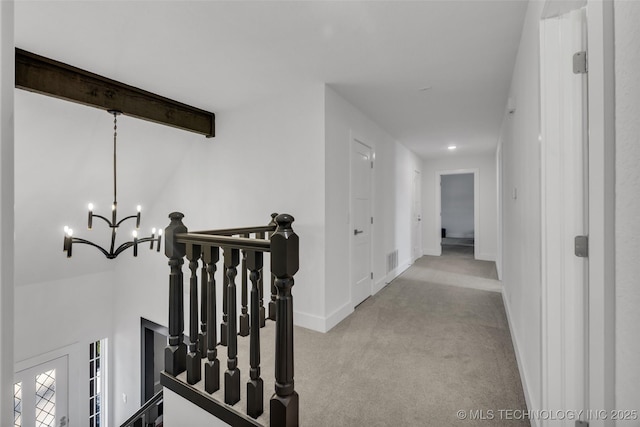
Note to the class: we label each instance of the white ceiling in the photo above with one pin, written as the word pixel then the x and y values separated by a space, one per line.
pixel 220 55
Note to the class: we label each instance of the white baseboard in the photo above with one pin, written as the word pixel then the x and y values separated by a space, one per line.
pixel 309 321
pixel 337 316
pixel 523 374
pixel 432 251
pixel 485 256
pixel 319 323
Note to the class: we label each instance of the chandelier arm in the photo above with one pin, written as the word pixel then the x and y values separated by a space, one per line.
pixel 126 245
pixel 125 218
pixel 104 219
pixel 80 241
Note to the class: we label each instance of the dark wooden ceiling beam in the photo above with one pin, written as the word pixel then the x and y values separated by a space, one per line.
pixel 46 76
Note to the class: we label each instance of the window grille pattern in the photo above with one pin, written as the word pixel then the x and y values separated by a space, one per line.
pixel 46 399
pixel 95 384
pixel 17 405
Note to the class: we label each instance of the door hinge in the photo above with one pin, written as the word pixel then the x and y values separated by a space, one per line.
pixel 580 62
pixel 581 246
pixel 372 275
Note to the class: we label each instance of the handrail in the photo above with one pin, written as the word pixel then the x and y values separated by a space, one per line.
pixel 224 241
pixel 143 409
pixel 239 230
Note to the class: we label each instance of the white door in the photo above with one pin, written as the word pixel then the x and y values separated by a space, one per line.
pixel 416 216
pixel 564 215
pixel 361 272
pixel 41 395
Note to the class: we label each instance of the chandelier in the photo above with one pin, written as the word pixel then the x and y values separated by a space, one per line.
pixel 113 223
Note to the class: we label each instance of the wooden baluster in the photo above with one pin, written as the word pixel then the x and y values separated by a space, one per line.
pixel 224 326
pixel 202 336
pixel 232 375
pixel 212 365
pixel 284 264
pixel 255 385
pixel 176 352
pixel 261 289
pixel 194 357
pixel 274 291
pixel 244 315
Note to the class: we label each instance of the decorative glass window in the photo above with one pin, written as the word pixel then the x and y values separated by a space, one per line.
pixel 46 399
pixel 17 404
pixel 96 383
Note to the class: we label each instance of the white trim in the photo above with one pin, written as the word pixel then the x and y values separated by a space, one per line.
pixel 77 382
pixel 354 137
pixel 309 321
pixel 476 206
pixel 486 256
pixel 519 357
pixel 432 251
pixel 337 316
pixel 417 245
pixel 600 34
pixel 7 214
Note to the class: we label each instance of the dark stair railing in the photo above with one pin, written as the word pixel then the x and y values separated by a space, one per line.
pixel 238 248
pixel 147 415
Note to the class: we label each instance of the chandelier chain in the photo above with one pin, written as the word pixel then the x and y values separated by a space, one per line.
pixel 115 135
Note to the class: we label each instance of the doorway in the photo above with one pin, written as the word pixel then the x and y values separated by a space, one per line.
pixel 153 343
pixel 457 212
pixel 361 221
pixel 416 217
pixel 564 213
pixel 40 394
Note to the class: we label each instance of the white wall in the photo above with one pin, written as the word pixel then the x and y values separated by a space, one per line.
pixel 486 243
pixel 457 205
pixel 179 412
pixel 7 82
pixel 627 63
pixel 63 317
pixel 520 152
pixel 394 168
pixel 267 157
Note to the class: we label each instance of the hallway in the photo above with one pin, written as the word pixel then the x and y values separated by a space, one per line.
pixel 414 354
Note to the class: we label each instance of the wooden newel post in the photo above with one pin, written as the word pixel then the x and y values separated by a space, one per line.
pixel 272 302
pixel 176 352
pixel 284 264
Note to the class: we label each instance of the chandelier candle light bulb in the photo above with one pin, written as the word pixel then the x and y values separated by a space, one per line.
pixel 113 223
pixel 90 215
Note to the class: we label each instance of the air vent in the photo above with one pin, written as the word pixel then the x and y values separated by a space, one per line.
pixel 392 261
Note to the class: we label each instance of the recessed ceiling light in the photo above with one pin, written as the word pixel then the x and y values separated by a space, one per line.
pixel 451 147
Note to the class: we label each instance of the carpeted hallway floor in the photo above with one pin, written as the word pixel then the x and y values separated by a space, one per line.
pixel 414 354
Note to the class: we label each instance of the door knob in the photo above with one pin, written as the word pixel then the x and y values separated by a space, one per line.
pixel 356 232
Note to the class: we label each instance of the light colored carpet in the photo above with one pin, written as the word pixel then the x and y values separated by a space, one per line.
pixel 412 355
